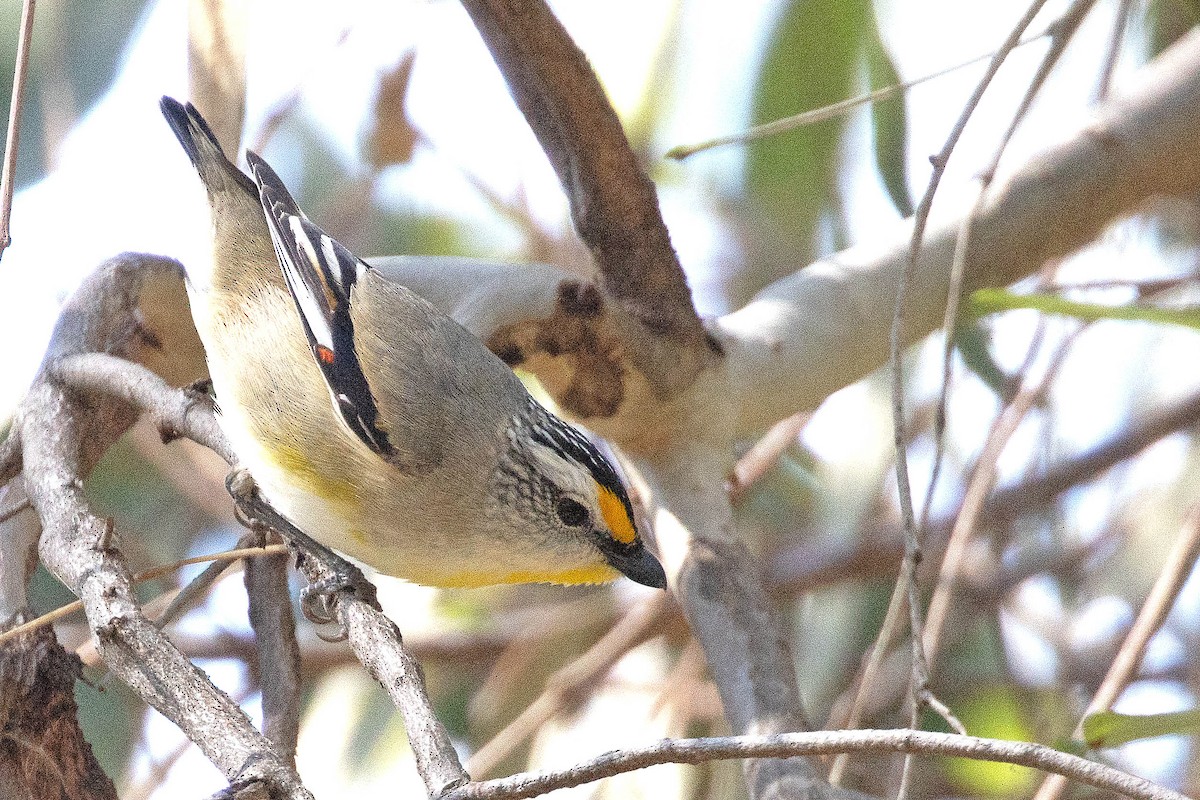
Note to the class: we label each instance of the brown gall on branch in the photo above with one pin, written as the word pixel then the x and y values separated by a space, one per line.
pixel 578 349
pixel 614 205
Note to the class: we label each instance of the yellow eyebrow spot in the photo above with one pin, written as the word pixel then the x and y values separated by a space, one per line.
pixel 615 516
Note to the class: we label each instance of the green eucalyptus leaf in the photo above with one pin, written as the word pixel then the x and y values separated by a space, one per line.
pixel 889 122
pixel 812 61
pixel 992 301
pixel 1109 729
pixel 1167 20
pixel 973 341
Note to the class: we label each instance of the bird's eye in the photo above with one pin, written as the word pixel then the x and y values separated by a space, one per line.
pixel 571 512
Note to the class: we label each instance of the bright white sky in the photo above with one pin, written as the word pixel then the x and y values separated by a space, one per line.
pixel 122 183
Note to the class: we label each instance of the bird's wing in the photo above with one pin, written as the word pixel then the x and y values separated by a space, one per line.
pixel 322 276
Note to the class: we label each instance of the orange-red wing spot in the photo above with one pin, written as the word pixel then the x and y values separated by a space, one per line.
pixel 324 354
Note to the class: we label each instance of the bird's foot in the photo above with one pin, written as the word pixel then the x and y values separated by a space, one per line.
pixel 318 600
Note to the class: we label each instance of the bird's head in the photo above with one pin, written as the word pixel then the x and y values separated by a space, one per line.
pixel 566 492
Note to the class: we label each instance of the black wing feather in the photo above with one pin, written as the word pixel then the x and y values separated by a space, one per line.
pixel 320 274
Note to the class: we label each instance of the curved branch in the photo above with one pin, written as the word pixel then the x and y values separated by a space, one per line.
pixel 715 576
pixel 697 751
pixel 614 204
pixel 134 306
pixel 374 637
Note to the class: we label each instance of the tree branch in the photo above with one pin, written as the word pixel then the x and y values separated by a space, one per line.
pixel 696 751
pixel 375 639
pixel 817 330
pixel 64 433
pixel 278 651
pixel 716 579
pixel 613 203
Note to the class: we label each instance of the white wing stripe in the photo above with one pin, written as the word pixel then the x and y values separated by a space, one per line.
pixel 335 263
pixel 313 314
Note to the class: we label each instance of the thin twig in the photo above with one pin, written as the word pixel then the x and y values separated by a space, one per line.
pixel 980 485
pixel 1113 51
pixel 638 625
pixel 838 109
pixel 912 545
pixel 15 107
pixel 198 586
pixel 222 559
pixel 763 456
pixel 1175 572
pixel 1062 32
pixel 698 751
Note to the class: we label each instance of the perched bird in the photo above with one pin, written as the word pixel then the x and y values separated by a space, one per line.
pixel 374 422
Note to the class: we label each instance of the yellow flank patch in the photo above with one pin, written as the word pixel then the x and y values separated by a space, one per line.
pixel 615 516
pixel 304 472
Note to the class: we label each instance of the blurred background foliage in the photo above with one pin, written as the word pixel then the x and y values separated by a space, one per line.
pixel 1047 590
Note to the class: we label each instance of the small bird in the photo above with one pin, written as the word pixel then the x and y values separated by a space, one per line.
pixel 374 422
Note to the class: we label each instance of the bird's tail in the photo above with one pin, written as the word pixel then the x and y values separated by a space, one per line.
pixel 202 147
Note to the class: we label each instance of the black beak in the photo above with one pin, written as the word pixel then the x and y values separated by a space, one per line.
pixel 638 564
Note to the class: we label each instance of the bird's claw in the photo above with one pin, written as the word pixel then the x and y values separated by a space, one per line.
pixel 319 600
